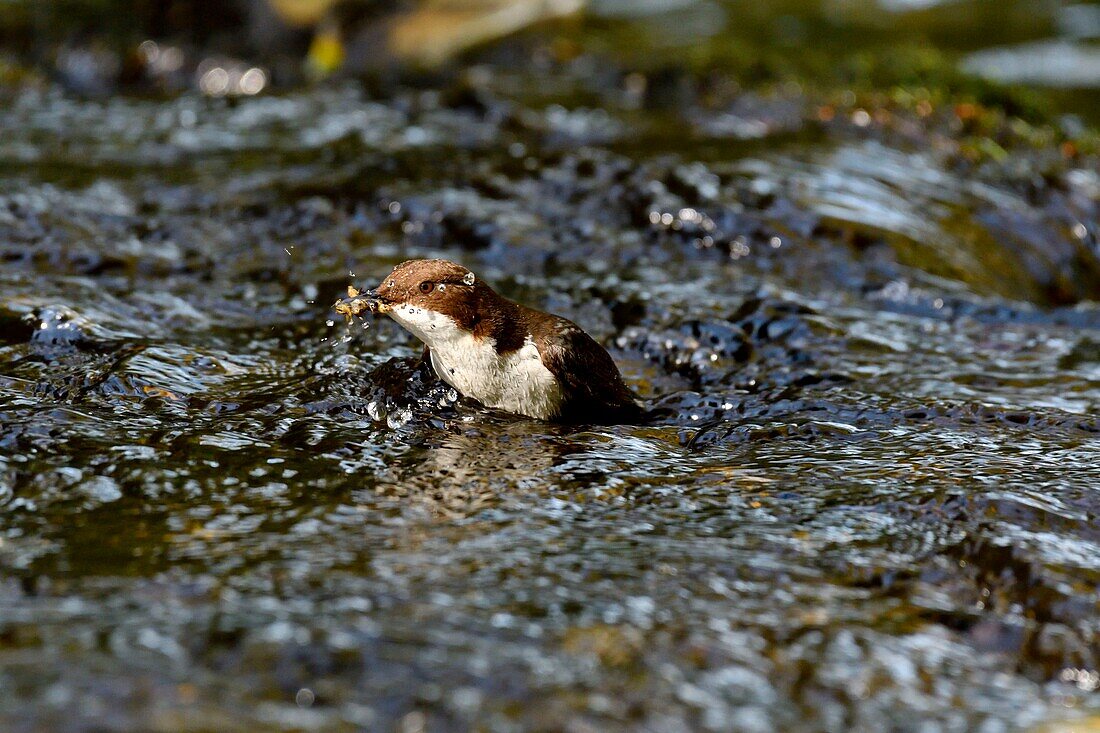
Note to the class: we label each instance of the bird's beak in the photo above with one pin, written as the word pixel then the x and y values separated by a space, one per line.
pixel 358 301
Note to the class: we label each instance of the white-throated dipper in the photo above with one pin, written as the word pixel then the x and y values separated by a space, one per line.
pixel 503 354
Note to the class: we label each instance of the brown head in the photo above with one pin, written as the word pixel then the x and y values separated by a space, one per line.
pixel 418 290
pixel 436 285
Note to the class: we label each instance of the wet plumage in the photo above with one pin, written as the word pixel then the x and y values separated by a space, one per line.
pixel 503 354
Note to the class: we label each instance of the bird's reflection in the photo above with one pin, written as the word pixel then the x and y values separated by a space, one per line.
pixel 465 470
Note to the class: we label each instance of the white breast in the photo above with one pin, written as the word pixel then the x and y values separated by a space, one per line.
pixel 516 382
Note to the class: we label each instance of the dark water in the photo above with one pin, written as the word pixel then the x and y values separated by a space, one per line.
pixel 872 504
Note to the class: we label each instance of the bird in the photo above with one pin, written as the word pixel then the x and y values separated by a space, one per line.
pixel 505 355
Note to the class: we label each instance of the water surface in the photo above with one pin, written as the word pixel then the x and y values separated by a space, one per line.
pixel 870 502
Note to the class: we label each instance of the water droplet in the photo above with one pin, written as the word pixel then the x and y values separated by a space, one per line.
pixel 376 411
pixel 102 489
pixel 215 82
pixel 304 698
pixel 330 323
pixel 149 50
pixel 398 418
pixel 252 81
pixel 414 722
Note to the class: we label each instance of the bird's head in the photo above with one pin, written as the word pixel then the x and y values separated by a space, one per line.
pixel 434 299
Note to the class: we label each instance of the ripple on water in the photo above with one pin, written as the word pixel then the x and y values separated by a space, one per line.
pixel 867 496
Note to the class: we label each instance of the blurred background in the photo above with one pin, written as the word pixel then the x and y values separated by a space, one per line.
pixel 103 46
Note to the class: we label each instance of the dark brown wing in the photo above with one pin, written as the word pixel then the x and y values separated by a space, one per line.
pixel 592 387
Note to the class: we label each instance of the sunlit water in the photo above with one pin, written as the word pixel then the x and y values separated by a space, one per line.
pixel 868 501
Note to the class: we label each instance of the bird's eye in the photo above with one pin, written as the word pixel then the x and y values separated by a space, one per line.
pixel 426 286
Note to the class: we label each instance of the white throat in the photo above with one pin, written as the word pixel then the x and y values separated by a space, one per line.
pixel 517 381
